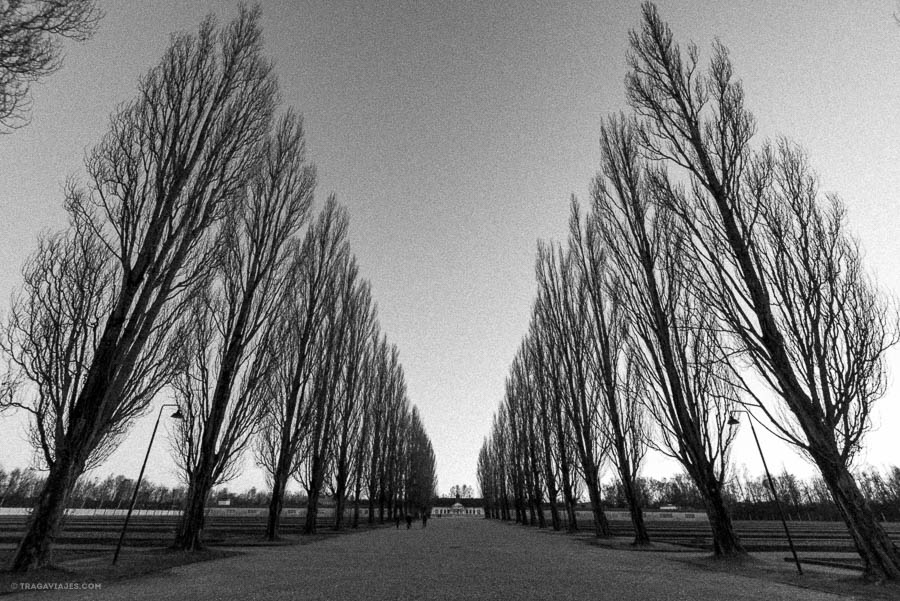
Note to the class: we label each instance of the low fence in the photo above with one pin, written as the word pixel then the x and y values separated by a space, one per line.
pixel 328 512
pixel 300 512
pixel 649 516
pixel 616 515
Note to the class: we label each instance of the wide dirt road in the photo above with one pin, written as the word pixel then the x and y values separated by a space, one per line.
pixel 466 559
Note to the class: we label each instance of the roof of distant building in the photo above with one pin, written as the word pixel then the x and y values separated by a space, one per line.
pixel 451 501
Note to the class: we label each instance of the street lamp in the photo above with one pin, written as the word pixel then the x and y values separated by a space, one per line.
pixel 733 421
pixel 137 486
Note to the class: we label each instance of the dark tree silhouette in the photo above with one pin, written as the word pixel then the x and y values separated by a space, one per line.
pixel 50 339
pixel 166 171
pixel 680 375
pixel 614 374
pixel 227 334
pixel 297 339
pixel 777 263
pixel 564 300
pixel 353 403
pixel 327 388
pixel 30 48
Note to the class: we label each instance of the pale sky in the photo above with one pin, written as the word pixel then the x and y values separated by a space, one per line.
pixel 455 133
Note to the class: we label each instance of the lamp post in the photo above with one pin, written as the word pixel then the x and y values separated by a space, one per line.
pixel 137 486
pixel 733 421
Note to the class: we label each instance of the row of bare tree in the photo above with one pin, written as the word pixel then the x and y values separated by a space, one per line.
pixel 190 266
pixel 747 497
pixel 708 274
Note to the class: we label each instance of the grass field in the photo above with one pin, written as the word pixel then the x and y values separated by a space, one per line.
pixel 83 552
pixel 93 535
pixel 458 559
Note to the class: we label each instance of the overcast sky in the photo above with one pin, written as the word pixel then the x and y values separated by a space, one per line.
pixel 456 132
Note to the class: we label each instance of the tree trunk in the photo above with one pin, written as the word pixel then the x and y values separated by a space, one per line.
pixel 880 555
pixel 392 509
pixel 34 550
pixel 276 503
pixel 342 475
pixel 539 507
pixel 571 503
pixel 601 524
pixel 190 531
pixel 565 468
pixel 554 514
pixel 641 536
pixel 316 479
pixel 550 476
pixel 726 542
pixel 312 512
pixel 339 506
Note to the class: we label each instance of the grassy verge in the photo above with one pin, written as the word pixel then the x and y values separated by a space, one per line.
pixel 86 565
pixel 84 568
pixel 836 581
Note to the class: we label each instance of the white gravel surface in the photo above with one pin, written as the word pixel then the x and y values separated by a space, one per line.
pixel 466 559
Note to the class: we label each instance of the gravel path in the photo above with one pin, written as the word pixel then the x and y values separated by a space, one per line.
pixel 452 559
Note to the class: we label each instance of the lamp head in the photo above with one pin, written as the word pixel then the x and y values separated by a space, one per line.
pixel 177 415
pixel 733 421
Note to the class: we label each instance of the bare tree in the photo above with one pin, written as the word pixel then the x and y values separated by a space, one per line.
pixel 549 365
pixel 30 48
pixel 682 376
pixel 421 474
pixel 622 424
pixel 499 450
pixel 389 382
pixel 534 357
pixel 780 268
pixel 521 409
pixel 163 174
pixel 231 326
pixel 486 474
pixel 353 404
pixel 327 389
pixel 565 303
pixel 371 385
pixel 463 491
pixel 394 449
pixel 308 292
pixel 50 339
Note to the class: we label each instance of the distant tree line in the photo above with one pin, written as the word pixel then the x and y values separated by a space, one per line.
pixel 747 497
pixel 20 487
pixel 192 266
pixel 463 491
pixel 707 280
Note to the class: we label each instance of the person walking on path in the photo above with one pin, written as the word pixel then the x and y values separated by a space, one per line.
pixel 397 520
pixel 409 521
pixel 424 519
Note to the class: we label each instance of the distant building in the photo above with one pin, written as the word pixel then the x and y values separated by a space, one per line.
pixel 458 508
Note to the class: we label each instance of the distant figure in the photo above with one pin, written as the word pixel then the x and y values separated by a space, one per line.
pixel 408 521
pixel 397 520
pixel 424 519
